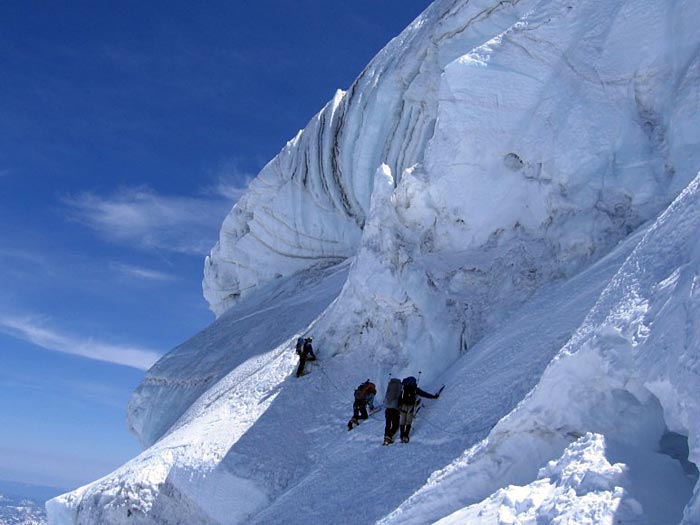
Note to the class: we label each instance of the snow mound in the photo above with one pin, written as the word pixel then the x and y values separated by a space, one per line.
pixel 580 487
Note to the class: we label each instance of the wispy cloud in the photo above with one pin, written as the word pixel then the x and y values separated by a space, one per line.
pixel 34 331
pixel 142 217
pixel 24 256
pixel 142 273
pixel 230 189
pixel 231 181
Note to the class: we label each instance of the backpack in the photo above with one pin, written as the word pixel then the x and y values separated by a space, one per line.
pixel 393 393
pixel 364 390
pixel 300 345
pixel 408 390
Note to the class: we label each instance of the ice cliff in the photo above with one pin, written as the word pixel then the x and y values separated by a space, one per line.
pixel 504 200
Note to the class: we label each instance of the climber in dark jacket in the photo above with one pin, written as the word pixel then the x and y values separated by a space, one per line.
pixel 391 409
pixel 307 354
pixel 407 404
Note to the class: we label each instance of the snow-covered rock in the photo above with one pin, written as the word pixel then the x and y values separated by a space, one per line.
pixel 457 212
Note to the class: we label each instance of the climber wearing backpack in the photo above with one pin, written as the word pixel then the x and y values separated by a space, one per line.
pixel 391 409
pixel 407 405
pixel 300 345
pixel 364 397
pixel 305 354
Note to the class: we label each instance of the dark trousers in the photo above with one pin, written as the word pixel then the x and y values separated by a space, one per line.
pixel 302 361
pixel 359 409
pixel 392 416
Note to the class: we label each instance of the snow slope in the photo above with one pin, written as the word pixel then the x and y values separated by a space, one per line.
pixel 627 377
pixel 458 212
pixel 278 312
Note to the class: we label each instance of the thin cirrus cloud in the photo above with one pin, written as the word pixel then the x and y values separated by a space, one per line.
pixel 142 273
pixel 142 217
pixel 33 331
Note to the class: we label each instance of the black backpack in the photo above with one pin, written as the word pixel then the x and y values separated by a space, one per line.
pixel 408 390
pixel 300 345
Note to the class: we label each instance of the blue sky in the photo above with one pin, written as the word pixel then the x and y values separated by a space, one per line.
pixel 128 130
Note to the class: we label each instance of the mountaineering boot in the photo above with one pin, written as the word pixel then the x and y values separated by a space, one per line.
pixel 408 431
pixel 388 440
pixel 403 433
pixel 353 423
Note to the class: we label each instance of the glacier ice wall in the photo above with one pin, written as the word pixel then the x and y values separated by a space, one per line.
pixel 552 141
pixel 308 205
pixel 524 140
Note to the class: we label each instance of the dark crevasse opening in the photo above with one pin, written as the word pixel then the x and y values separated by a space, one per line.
pixel 659 479
pixel 676 446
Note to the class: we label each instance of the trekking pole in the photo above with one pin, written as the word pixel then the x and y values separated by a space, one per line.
pixel 417 404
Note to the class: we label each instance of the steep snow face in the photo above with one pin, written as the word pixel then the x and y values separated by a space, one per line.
pixel 522 139
pixel 630 373
pixel 309 204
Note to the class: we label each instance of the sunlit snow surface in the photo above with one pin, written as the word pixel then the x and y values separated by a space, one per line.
pixel 488 204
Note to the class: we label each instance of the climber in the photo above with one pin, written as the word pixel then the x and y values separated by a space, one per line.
pixel 407 405
pixel 391 409
pixel 364 397
pixel 307 354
